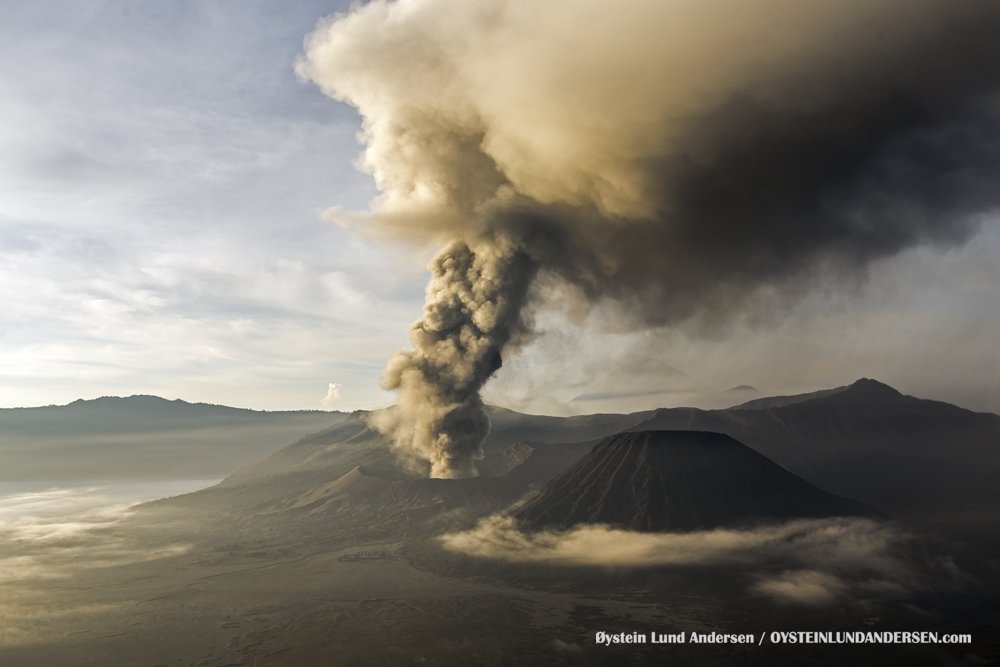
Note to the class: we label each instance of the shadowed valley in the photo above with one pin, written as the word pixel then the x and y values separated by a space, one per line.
pixel 784 513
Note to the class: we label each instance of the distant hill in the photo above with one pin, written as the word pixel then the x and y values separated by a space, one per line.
pixel 353 442
pixel 677 481
pixel 904 456
pixel 869 442
pixel 375 498
pixel 784 401
pixel 143 436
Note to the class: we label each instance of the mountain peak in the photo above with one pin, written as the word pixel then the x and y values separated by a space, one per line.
pixel 871 389
pixel 677 481
pixel 861 390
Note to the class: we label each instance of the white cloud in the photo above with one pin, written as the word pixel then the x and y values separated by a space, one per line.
pixel 802 586
pixel 818 560
pixel 330 401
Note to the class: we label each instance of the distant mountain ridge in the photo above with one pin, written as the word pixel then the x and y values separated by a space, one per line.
pixel 143 436
pixel 870 442
pixel 785 401
pixel 139 411
pixel 867 442
pixel 354 441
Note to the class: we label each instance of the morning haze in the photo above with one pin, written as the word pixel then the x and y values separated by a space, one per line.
pixel 706 346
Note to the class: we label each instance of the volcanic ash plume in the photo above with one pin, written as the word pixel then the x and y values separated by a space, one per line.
pixel 681 157
pixel 473 310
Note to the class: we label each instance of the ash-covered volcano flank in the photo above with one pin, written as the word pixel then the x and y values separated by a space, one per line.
pixel 678 481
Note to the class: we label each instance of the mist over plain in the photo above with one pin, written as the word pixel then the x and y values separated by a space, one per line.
pixel 811 562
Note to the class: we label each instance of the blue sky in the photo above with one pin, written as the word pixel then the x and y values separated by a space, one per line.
pixel 161 180
pixel 162 176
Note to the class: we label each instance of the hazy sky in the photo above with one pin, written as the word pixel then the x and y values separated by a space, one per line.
pixel 162 176
pixel 162 172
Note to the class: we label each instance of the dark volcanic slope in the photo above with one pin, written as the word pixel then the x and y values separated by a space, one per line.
pixel 354 442
pixel 867 441
pixel 677 481
pixel 899 454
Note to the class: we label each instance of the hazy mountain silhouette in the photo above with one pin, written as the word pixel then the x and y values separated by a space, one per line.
pixel 348 444
pixel 677 481
pixel 783 401
pixel 266 546
pixel 143 436
pixel 354 442
pixel 867 441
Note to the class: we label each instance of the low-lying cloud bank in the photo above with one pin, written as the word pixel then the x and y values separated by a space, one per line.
pixel 56 532
pixel 804 561
pixel 57 541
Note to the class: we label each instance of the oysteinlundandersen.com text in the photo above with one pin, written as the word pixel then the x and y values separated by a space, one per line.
pixel 860 637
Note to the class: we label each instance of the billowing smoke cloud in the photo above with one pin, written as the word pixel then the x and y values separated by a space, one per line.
pixel 679 157
pixel 806 561
pixel 474 305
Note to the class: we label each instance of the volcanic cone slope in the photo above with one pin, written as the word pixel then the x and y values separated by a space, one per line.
pixel 677 481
